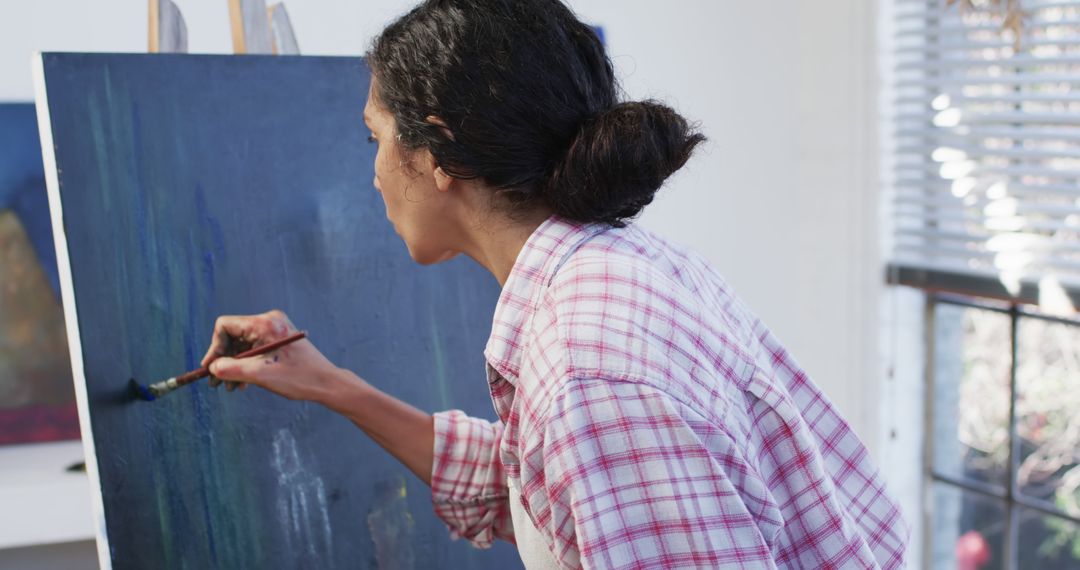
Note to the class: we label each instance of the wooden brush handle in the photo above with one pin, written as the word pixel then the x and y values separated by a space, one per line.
pixel 189 377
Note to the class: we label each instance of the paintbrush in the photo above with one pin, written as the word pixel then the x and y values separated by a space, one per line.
pixel 159 389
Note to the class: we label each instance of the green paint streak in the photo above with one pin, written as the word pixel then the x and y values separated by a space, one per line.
pixel 97 131
pixel 108 86
pixel 198 466
pixel 392 528
pixel 162 492
pixel 242 507
pixel 242 511
pixel 440 364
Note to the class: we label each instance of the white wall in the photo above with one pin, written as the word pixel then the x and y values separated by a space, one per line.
pixel 783 199
pixel 903 343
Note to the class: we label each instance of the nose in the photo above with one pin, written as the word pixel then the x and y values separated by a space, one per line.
pixel 375 183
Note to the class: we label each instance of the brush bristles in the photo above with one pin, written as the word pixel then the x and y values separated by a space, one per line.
pixel 141 392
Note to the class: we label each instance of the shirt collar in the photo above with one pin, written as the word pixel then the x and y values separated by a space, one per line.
pixel 540 258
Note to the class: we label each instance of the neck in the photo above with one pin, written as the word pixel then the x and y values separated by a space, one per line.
pixel 496 242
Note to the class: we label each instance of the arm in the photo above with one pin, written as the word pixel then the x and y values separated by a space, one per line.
pixel 404 431
pixel 300 372
pixel 455 454
pixel 468 484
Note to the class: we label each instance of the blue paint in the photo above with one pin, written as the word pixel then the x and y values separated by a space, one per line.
pixel 209 229
pixel 22 182
pixel 133 152
pixel 141 391
pixel 235 185
pixel 209 223
pixel 208 269
pixel 22 155
pixel 205 425
pixel 191 316
pixel 599 31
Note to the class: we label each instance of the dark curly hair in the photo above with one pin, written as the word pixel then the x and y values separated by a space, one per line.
pixel 530 106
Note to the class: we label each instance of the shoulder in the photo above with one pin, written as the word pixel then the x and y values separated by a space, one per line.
pixel 628 306
pixel 622 270
pixel 636 268
pixel 630 303
pixel 605 301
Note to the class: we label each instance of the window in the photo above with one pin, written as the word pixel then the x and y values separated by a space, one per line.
pixel 1004 439
pixel 985 209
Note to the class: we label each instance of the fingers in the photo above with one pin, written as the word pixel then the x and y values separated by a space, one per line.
pixel 230 386
pixel 250 330
pixel 245 328
pixel 236 333
pixel 245 370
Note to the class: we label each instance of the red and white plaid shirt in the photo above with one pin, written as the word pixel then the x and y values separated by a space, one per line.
pixel 654 422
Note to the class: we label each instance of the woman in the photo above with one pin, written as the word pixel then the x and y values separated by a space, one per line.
pixel 647 418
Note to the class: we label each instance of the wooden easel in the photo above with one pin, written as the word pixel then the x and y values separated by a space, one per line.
pixel 168 31
pixel 256 28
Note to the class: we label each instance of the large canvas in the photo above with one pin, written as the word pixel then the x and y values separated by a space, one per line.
pixel 37 403
pixel 185 187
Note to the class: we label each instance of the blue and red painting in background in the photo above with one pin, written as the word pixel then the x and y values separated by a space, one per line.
pixel 37 400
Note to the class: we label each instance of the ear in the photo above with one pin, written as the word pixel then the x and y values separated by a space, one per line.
pixel 442 124
pixel 443 181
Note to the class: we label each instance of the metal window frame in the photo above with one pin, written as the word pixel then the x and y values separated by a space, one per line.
pixel 1011 497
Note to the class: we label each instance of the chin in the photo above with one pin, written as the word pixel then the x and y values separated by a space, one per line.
pixel 431 258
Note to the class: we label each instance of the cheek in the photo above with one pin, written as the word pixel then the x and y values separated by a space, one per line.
pixel 387 178
pixel 386 167
pixel 380 165
pixel 384 179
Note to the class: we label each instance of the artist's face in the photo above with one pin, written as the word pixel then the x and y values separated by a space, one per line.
pixel 422 212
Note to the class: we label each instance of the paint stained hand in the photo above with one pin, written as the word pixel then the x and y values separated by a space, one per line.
pixel 297 371
pixel 233 346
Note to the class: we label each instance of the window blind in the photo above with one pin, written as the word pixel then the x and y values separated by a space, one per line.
pixel 986 192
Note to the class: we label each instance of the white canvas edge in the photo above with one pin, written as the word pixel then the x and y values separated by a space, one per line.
pixel 71 315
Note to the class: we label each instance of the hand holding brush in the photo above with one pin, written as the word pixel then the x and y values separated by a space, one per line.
pixel 164 387
pixel 297 371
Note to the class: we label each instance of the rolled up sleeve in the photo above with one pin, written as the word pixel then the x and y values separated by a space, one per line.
pixel 468 485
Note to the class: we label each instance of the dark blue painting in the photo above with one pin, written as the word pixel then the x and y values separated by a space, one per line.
pixel 37 402
pixel 195 186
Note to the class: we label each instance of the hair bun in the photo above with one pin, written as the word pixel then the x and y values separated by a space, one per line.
pixel 618 161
